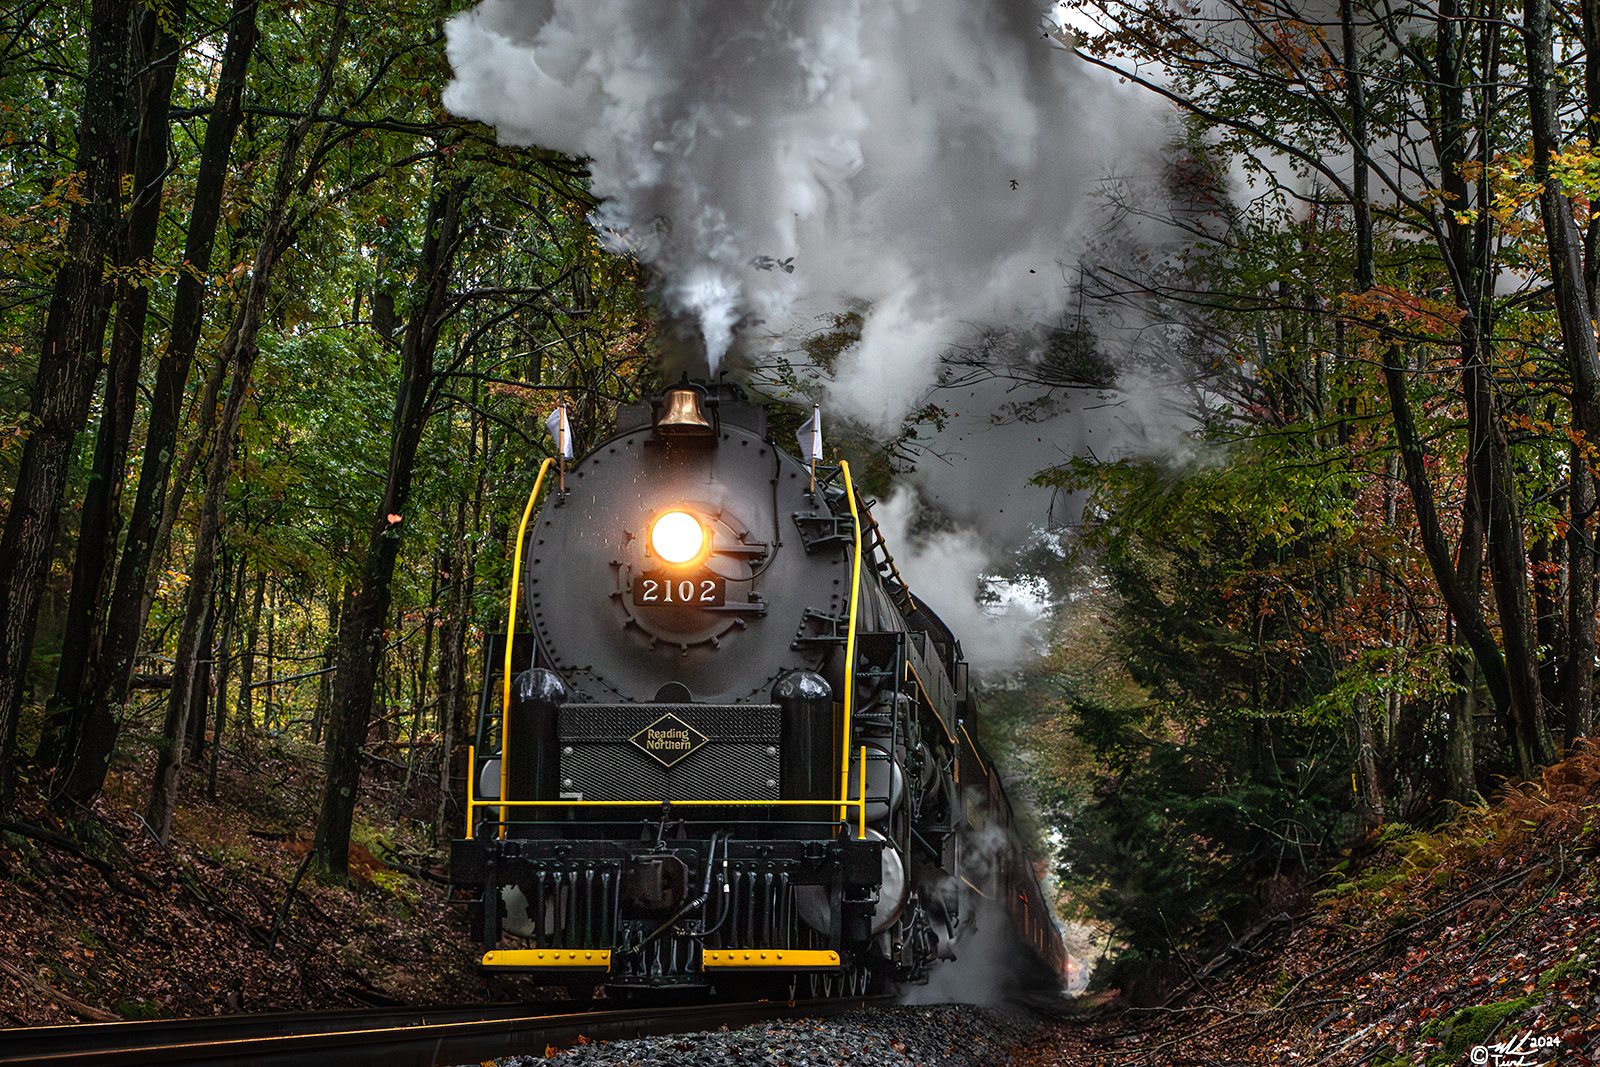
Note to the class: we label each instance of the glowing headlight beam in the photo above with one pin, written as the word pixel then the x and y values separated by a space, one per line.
pixel 677 537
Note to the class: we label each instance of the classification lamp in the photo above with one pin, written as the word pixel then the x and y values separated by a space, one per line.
pixel 677 537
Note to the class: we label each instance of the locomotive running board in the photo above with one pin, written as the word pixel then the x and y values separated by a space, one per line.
pixel 790 959
pixel 593 959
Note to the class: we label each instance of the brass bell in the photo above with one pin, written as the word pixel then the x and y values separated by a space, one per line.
pixel 682 413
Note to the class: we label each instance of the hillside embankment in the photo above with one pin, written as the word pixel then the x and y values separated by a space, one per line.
pixel 99 921
pixel 1476 943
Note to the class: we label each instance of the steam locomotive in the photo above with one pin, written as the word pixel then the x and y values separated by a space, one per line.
pixel 731 745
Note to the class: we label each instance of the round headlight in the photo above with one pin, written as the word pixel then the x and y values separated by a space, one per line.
pixel 677 537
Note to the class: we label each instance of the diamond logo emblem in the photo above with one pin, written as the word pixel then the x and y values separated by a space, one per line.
pixel 668 740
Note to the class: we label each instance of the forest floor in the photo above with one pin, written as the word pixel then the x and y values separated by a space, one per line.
pixel 1423 947
pixel 1476 943
pixel 99 922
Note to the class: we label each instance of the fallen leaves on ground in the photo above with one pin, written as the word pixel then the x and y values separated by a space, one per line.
pixel 197 927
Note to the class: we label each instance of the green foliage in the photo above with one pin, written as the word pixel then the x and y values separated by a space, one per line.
pixel 538 315
pixel 842 332
pixel 137 1009
pixel 1268 592
pixel 1232 771
pixel 1184 833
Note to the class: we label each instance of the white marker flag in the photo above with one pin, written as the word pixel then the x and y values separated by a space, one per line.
pixel 810 437
pixel 560 431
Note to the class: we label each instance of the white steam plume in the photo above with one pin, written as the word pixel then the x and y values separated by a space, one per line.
pixel 776 160
pixel 944 569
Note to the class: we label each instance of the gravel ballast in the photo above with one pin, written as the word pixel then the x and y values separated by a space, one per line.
pixel 925 1035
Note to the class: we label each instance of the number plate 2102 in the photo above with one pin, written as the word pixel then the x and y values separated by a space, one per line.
pixel 696 590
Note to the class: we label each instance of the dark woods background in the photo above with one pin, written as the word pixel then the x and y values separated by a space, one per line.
pixel 278 337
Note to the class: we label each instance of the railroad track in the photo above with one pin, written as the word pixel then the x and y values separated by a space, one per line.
pixel 386 1037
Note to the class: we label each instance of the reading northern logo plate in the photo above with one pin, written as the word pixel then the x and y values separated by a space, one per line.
pixel 668 739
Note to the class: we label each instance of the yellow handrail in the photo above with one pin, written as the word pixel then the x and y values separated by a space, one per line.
pixel 850 648
pixel 473 802
pixel 511 640
pixel 844 802
pixel 472 791
pixel 656 803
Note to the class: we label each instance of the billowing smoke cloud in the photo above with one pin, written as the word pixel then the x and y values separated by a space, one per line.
pixel 931 160
pixel 933 164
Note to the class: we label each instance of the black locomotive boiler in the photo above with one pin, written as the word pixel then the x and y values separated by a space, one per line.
pixel 731 743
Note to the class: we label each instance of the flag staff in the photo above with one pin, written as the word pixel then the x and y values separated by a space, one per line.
pixel 561 433
pixel 810 439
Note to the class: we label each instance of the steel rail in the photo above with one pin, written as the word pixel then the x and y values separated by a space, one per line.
pixel 20 1041
pixel 385 1037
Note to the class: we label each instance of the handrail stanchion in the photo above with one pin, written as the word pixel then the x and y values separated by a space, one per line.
pixel 472 785
pixel 511 640
pixel 850 649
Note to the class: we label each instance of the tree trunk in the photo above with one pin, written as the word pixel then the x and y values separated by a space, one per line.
pixel 338 604
pixel 205 670
pixel 420 699
pixel 1591 92
pixel 1509 575
pixel 1371 783
pixel 1544 561
pixel 269 710
pixel 361 641
pixel 276 236
pixel 1465 244
pixel 1577 695
pixel 156 49
pixel 453 660
pixel 1355 97
pixel 207 407
pixel 1576 315
pixel 247 666
pixel 69 364
pixel 224 664
pixel 1460 762
pixel 1468 612
pixel 130 601
pixel 1508 557
pixel 419 678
